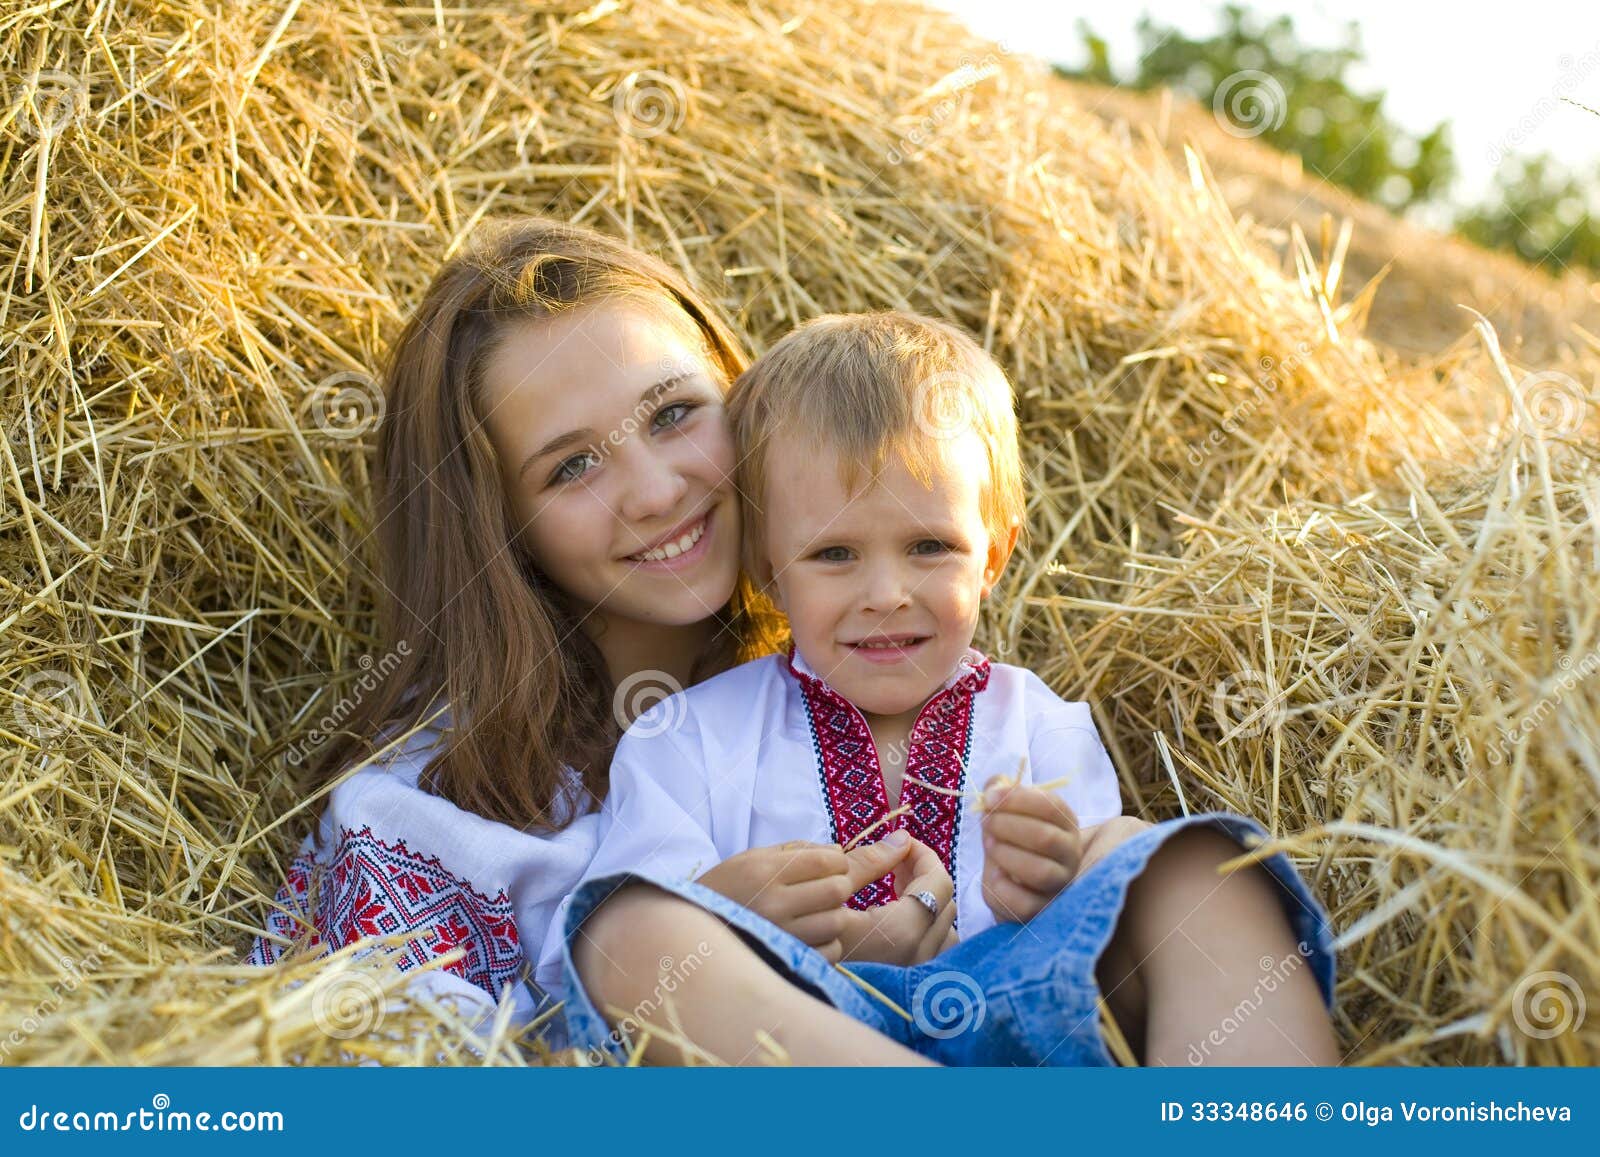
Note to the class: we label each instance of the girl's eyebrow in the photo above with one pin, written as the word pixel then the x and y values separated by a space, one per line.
pixel 586 435
pixel 581 437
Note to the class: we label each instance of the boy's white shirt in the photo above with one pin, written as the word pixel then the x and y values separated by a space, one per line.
pixel 733 764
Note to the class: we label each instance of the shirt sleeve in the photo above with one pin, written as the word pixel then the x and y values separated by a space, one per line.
pixel 657 817
pixel 391 860
pixel 1064 743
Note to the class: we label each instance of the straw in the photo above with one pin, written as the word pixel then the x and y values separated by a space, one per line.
pixel 1315 547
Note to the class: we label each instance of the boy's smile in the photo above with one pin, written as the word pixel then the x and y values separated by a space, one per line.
pixel 882 587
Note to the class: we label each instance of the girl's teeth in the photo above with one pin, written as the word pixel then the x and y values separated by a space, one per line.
pixel 674 549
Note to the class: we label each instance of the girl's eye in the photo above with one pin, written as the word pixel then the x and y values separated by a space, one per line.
pixel 834 554
pixel 672 415
pixel 574 468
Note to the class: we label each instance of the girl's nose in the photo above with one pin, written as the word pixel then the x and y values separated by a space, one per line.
pixel 653 486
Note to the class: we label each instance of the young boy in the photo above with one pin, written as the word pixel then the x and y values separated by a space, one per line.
pixel 883 495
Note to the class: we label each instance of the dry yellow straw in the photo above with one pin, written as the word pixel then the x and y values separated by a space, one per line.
pixel 977 793
pixel 1314 552
pixel 871 991
pixel 875 825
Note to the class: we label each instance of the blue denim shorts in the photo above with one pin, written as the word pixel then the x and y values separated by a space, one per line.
pixel 1014 994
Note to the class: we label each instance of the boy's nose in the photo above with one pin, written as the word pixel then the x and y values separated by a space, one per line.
pixel 887 588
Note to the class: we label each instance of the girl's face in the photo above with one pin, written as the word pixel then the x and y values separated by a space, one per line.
pixel 617 459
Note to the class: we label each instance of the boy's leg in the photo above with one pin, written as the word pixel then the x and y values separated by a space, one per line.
pixel 727 1006
pixel 1204 968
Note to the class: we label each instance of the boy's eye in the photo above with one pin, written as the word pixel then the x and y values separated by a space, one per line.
pixel 575 467
pixel 834 554
pixel 931 546
pixel 672 415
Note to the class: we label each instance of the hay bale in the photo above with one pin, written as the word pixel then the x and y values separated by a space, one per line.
pixel 1301 577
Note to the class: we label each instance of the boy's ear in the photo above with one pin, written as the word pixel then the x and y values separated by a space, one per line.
pixel 1000 549
pixel 765 581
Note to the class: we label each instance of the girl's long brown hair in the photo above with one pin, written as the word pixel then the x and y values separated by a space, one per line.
pixel 482 628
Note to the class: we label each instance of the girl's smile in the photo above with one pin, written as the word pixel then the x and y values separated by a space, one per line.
pixel 681 548
pixel 610 427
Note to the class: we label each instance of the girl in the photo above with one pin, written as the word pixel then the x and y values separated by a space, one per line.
pixel 557 529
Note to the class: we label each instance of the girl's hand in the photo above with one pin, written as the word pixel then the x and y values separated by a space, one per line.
pixel 903 931
pixel 803 887
pixel 1032 849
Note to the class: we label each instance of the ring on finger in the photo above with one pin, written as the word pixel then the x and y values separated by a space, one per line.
pixel 928 900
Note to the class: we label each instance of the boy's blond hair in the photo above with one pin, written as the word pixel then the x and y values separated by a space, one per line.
pixel 869 385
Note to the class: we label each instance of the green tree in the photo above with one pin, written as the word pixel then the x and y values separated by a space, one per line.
pixel 1541 211
pixel 1264 83
pixel 1261 81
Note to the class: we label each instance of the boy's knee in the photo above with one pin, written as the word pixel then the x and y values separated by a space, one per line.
pixel 599 937
pixel 636 919
pixel 1189 869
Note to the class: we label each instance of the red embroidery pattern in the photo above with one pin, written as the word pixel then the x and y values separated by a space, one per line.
pixel 852 781
pixel 373 889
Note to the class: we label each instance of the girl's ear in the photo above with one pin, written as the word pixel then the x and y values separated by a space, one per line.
pixel 1000 549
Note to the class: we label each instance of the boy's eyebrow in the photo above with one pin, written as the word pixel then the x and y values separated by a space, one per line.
pixel 586 435
pixel 835 535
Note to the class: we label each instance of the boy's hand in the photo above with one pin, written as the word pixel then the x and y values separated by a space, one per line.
pixel 1032 848
pixel 1102 839
pixel 903 931
pixel 803 887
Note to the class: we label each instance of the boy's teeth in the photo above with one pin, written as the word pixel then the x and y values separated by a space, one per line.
pixel 675 548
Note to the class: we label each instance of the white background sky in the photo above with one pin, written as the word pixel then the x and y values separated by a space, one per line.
pixel 1484 69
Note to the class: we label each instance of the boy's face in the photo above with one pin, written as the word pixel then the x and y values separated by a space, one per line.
pixel 883 587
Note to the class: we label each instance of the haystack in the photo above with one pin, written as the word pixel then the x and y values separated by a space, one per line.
pixel 1348 592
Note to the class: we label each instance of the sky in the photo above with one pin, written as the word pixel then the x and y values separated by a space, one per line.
pixel 1494 73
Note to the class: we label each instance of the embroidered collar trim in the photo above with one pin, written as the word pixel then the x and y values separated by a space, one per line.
pixel 851 778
